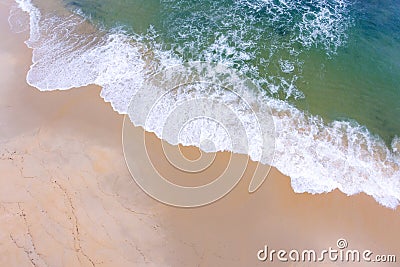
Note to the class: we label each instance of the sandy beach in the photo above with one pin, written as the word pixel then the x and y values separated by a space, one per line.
pixel 68 199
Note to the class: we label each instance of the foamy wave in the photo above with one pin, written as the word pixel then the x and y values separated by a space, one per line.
pixel 244 31
pixel 322 23
pixel 68 52
pixel 320 158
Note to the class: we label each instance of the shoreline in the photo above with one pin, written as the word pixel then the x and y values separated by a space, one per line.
pixel 67 198
pixel 354 154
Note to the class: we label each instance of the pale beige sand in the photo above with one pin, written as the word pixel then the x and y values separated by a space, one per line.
pixel 67 198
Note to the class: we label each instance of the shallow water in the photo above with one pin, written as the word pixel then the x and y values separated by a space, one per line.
pixel 342 57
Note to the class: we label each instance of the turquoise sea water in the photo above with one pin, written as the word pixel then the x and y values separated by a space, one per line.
pixel 328 70
pixel 337 59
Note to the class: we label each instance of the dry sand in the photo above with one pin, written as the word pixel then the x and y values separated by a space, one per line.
pixel 67 198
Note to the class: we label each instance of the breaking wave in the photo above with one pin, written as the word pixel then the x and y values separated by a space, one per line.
pixel 319 157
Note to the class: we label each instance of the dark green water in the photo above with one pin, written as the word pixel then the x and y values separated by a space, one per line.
pixel 336 59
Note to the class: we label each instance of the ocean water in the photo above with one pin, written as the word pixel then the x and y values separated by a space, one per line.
pixel 329 71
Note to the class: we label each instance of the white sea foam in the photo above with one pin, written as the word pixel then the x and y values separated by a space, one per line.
pixel 318 157
pixel 323 23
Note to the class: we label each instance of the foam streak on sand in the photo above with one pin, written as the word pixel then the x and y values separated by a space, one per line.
pixel 68 52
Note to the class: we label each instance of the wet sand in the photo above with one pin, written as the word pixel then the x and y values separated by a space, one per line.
pixel 67 197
